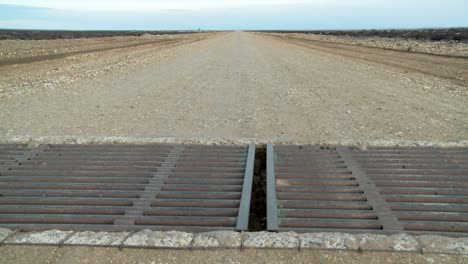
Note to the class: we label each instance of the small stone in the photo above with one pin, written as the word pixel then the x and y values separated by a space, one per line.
pixel 171 239
pixel 4 233
pixel 446 245
pixel 271 240
pixel 226 239
pixel 43 237
pixel 362 147
pixel 329 241
pixel 97 238
pixel 348 112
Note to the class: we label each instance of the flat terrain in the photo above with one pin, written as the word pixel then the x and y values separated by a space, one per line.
pixel 232 87
pixel 434 34
pixel 74 34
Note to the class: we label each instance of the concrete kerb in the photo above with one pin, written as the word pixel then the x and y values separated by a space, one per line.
pixel 217 239
pixel 159 239
pixel 5 234
pixel 48 237
pixel 401 243
pixel 34 141
pixel 97 238
pixel 270 240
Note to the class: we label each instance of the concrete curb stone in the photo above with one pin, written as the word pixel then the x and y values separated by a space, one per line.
pixel 158 239
pixel 97 238
pixel 397 243
pixel 271 240
pixel 328 241
pixel 4 233
pixel 223 239
pixel 35 141
pixel 49 237
pixel 235 240
pixel 439 244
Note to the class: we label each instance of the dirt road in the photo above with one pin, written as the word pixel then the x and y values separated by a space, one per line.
pixel 238 87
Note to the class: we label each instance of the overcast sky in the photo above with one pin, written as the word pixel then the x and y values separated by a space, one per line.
pixel 231 14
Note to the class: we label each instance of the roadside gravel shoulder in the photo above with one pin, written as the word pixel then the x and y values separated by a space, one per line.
pixel 118 55
pixel 448 48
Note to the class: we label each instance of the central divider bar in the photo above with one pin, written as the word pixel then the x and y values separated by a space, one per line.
pixel 152 189
pixel 386 218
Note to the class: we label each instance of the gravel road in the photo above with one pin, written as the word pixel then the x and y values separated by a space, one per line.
pixel 237 86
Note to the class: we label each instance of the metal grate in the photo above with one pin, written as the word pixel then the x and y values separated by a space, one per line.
pixel 127 187
pixel 386 190
pixel 9 152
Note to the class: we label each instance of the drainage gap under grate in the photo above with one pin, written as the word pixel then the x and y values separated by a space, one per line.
pixel 258 207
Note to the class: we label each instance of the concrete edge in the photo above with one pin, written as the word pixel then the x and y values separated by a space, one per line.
pixel 219 240
pixel 25 139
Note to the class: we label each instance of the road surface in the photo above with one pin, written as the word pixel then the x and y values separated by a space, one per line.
pixel 237 87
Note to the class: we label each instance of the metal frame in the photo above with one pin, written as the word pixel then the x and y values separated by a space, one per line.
pixel 244 208
pixel 272 208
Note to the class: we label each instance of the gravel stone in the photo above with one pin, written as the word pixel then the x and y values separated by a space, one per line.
pixel 97 238
pixel 398 242
pixel 271 240
pixel 225 239
pixel 171 239
pixel 4 233
pixel 329 241
pixel 43 237
pixel 439 244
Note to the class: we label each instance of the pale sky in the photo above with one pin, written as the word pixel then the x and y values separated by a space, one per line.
pixel 231 14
